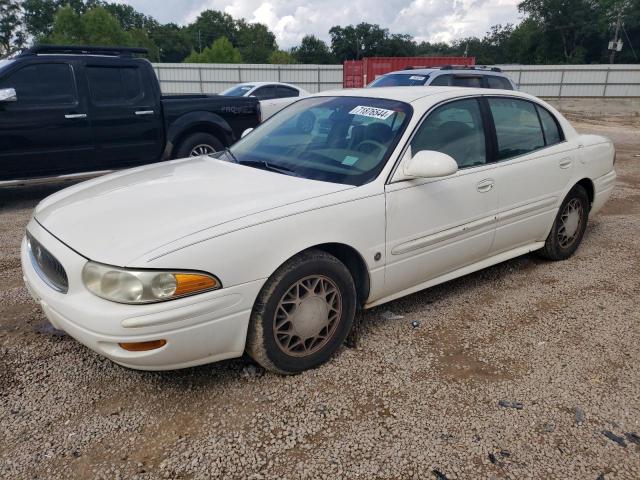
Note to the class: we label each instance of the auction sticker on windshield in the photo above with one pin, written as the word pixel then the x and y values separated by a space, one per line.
pixel 416 77
pixel 373 112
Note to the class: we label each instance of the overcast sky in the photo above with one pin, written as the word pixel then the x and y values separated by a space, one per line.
pixel 290 20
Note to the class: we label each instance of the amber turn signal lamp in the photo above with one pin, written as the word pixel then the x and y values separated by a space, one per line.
pixel 143 346
pixel 187 283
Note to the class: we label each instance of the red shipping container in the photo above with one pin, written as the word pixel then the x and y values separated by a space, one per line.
pixel 359 73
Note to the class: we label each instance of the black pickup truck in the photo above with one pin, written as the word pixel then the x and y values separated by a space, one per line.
pixel 68 110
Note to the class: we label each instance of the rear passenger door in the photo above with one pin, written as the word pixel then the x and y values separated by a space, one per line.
pixel 125 113
pixel 46 131
pixel 534 167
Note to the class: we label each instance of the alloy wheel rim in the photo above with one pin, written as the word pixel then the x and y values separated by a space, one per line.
pixel 570 223
pixel 307 316
pixel 202 149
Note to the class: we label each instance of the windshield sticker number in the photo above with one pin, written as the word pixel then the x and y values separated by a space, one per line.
pixel 416 77
pixel 372 112
pixel 350 160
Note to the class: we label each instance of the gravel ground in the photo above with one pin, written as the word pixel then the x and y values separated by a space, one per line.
pixel 512 372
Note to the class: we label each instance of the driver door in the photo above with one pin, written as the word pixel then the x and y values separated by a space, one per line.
pixel 438 225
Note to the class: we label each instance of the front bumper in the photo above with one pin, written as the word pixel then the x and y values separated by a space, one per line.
pixel 200 329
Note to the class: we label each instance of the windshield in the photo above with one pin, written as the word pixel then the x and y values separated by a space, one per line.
pixel 334 139
pixel 400 80
pixel 237 91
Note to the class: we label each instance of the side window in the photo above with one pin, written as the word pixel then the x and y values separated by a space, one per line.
pixel 42 84
pixel 467 81
pixel 455 129
pixel 286 92
pixel 517 127
pixel 265 93
pixel 550 127
pixel 441 81
pixel 115 85
pixel 498 82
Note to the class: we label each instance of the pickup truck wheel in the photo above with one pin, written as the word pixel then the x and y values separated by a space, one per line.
pixel 568 227
pixel 197 144
pixel 302 314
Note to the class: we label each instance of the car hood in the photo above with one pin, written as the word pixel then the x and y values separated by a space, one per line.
pixel 117 218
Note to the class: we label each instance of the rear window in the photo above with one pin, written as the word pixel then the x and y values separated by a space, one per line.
pixel 400 80
pixel 115 85
pixel 499 82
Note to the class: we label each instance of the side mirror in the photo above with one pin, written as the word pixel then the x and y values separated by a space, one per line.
pixel 8 95
pixel 430 164
pixel 246 132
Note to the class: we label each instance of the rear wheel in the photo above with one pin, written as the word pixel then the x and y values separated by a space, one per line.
pixel 302 314
pixel 197 144
pixel 569 226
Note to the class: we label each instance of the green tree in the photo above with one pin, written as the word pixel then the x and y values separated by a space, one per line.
pixel 128 17
pixel 312 50
pixel 39 15
pixel 139 37
pixel 11 32
pixel 67 28
pixel 209 26
pixel 398 45
pixel 220 51
pixel 255 42
pixel 280 57
pixel 102 28
pixel 570 28
pixel 96 27
pixel 173 42
pixel 354 42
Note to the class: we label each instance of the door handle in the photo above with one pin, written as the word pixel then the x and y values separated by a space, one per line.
pixel 565 163
pixel 145 112
pixel 485 185
pixel 75 115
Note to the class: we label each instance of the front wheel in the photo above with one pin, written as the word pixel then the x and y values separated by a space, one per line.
pixel 302 314
pixel 568 227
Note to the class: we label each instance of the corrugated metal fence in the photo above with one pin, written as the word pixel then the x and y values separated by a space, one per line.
pixel 540 80
pixel 213 78
pixel 576 80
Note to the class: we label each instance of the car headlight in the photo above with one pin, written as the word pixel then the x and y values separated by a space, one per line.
pixel 125 285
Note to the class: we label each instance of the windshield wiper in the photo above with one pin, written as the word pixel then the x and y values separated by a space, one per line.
pixel 267 166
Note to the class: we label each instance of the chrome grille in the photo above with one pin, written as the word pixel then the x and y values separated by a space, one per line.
pixel 47 266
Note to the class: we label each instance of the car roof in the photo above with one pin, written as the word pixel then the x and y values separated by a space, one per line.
pixel 260 84
pixel 429 71
pixel 412 94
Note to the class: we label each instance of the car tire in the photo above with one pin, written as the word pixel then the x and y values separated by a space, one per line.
pixel 303 313
pixel 569 226
pixel 197 144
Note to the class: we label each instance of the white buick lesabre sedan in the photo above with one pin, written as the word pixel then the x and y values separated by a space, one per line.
pixel 342 201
